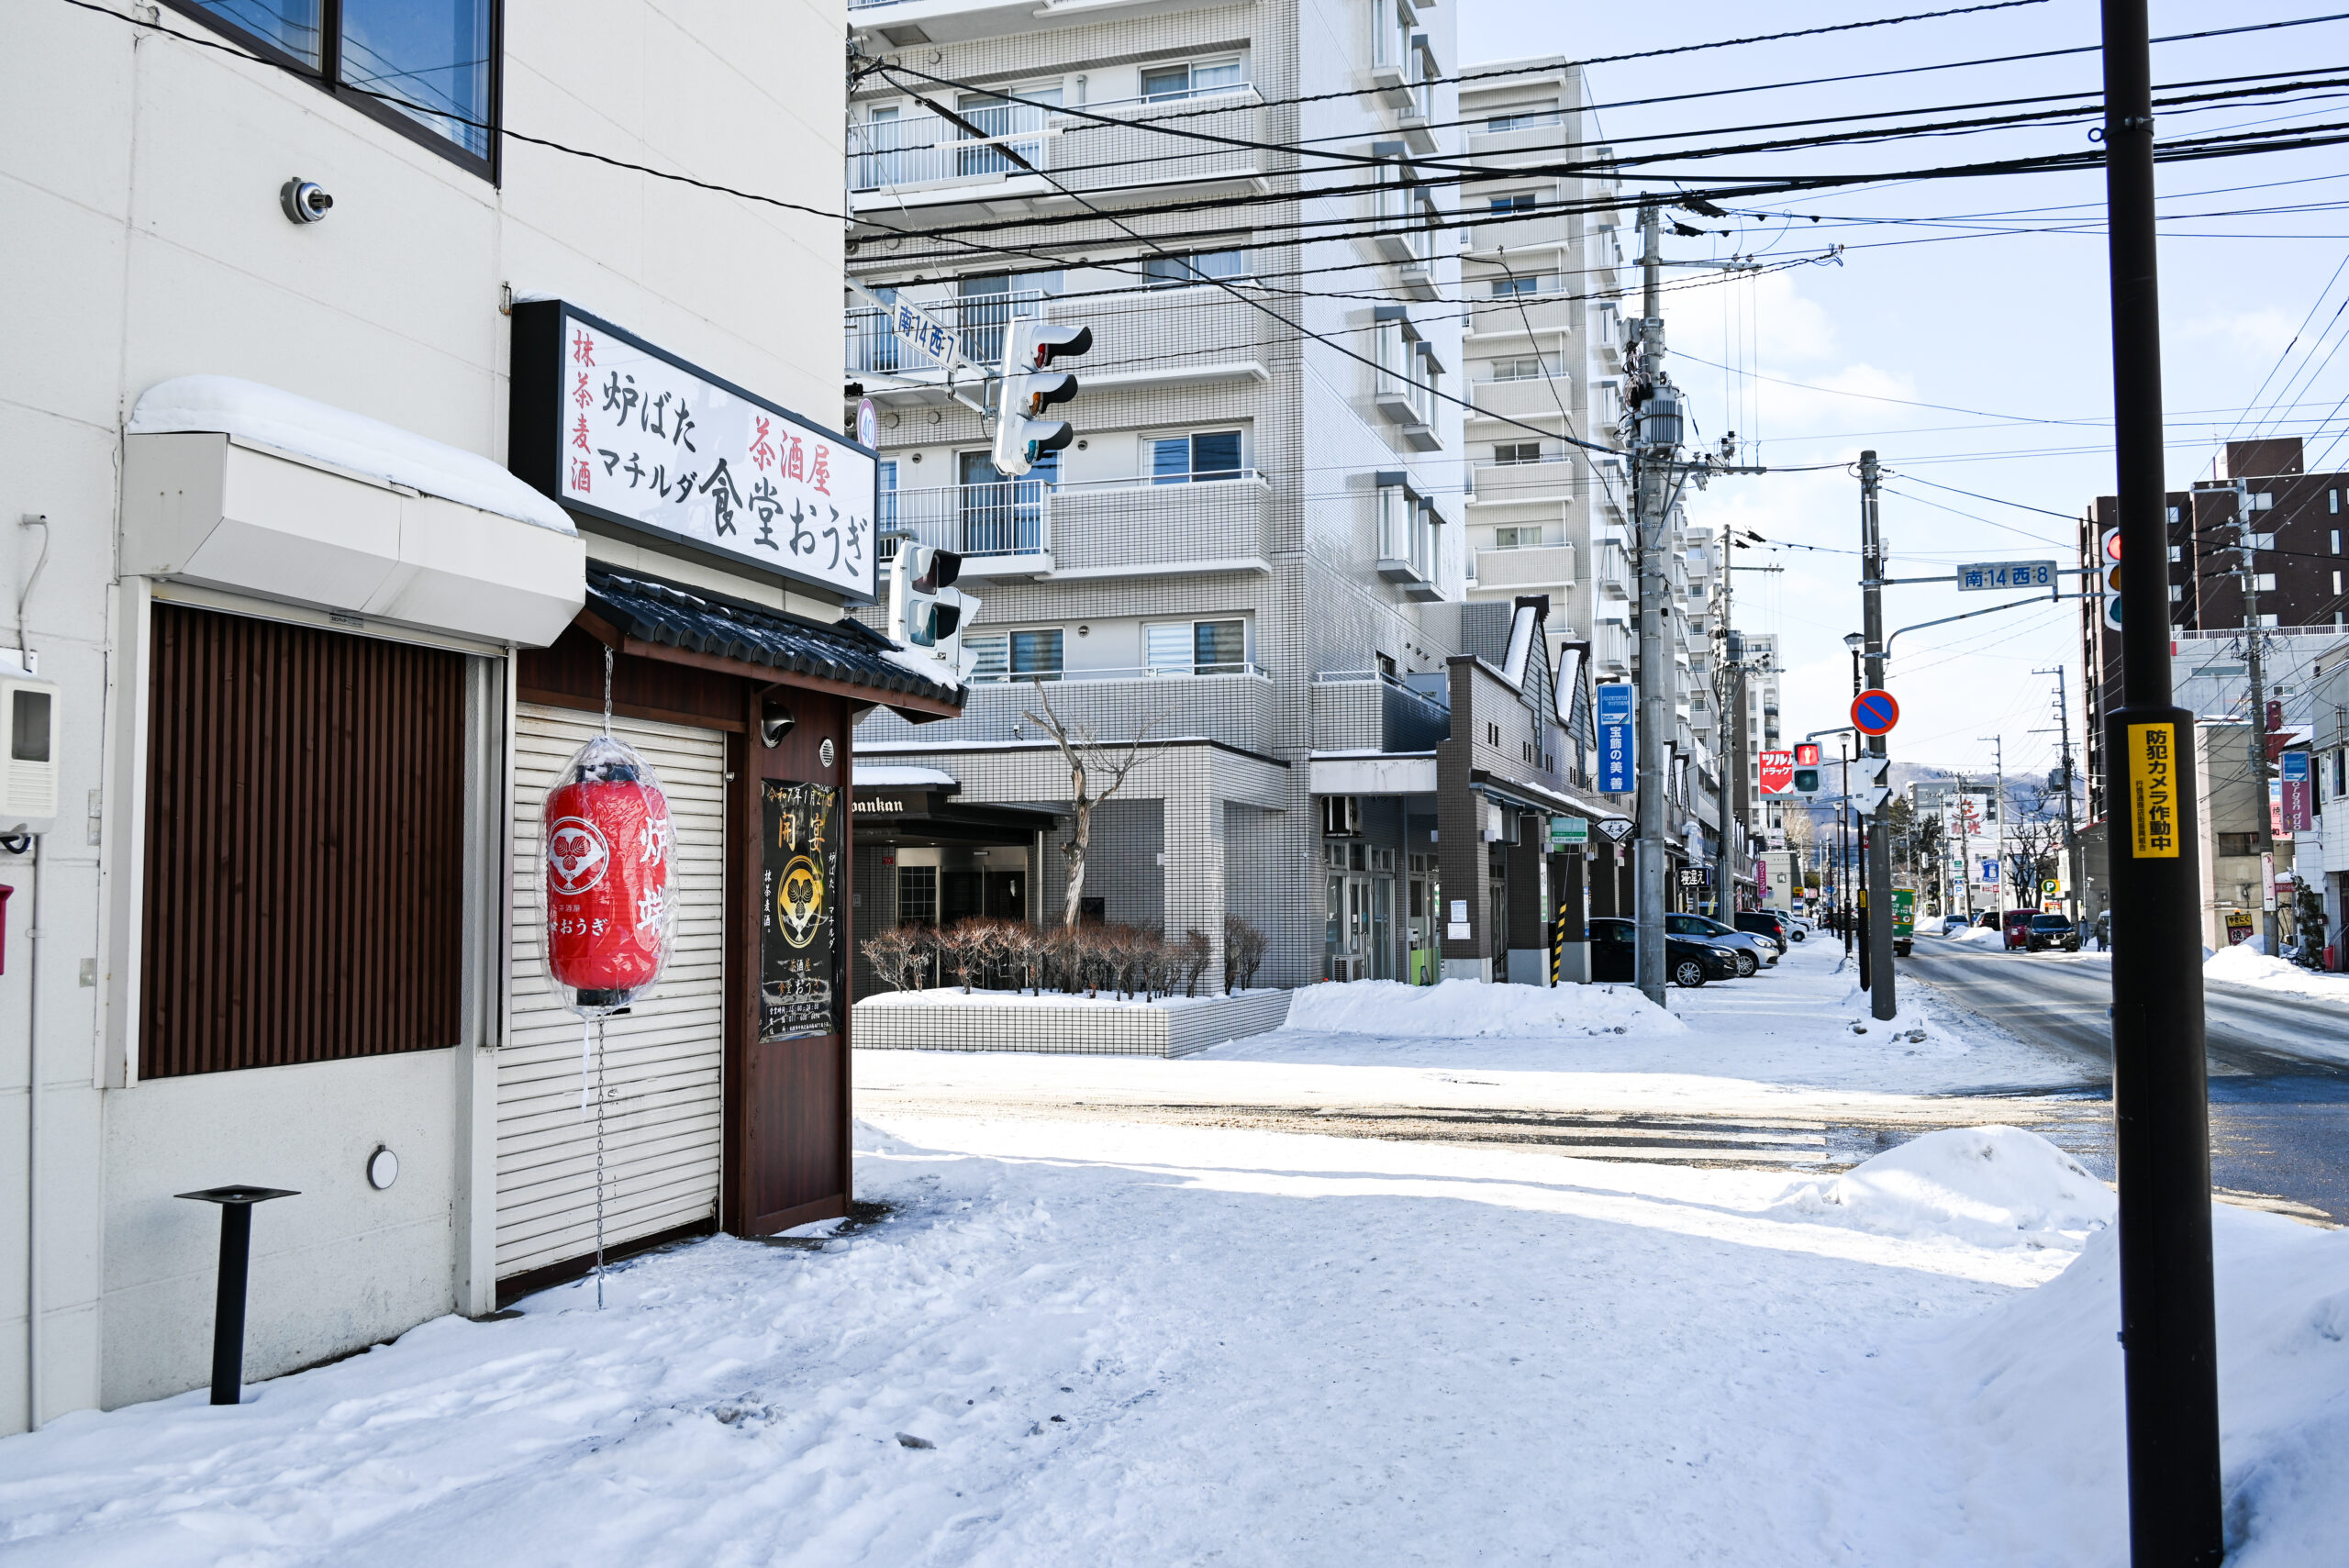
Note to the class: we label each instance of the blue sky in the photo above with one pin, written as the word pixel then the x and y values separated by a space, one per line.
pixel 1971 314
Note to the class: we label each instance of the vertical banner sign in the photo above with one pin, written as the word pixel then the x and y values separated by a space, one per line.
pixel 1617 755
pixel 2152 791
pixel 799 929
pixel 2299 809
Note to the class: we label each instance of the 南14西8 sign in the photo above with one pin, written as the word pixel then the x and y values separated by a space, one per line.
pixel 658 445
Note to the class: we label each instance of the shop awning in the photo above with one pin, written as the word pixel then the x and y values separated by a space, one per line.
pixel 652 620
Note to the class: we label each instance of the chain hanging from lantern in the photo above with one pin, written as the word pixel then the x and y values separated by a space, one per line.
pixel 606 851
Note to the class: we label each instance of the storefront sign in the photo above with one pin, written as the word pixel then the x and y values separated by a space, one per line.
pixel 614 428
pixel 1569 831
pixel 2294 808
pixel 799 920
pixel 1617 758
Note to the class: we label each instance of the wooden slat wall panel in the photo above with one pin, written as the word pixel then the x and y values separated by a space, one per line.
pixel 665 1060
pixel 304 846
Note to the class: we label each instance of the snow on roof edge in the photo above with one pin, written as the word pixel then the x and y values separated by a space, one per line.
pixel 306 428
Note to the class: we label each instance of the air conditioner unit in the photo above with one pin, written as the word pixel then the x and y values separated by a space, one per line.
pixel 29 777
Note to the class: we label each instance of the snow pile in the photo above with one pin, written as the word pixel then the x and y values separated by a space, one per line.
pixel 1975 934
pixel 1989 1186
pixel 2244 964
pixel 2029 1396
pixel 1460 1009
pixel 310 428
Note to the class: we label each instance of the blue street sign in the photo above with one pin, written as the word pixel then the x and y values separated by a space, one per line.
pixel 1617 759
pixel 1617 764
pixel 1990 872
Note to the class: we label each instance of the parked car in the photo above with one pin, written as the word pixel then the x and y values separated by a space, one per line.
pixel 2052 931
pixel 1955 923
pixel 1613 955
pixel 1753 950
pixel 1989 918
pixel 2017 928
pixel 1768 923
pixel 1803 925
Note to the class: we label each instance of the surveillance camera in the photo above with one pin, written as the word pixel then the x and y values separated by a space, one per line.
pixel 775 721
pixel 305 201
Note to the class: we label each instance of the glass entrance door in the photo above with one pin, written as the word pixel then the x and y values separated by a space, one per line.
pixel 1381 925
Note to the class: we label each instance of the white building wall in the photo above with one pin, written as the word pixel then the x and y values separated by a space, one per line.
pixel 140 239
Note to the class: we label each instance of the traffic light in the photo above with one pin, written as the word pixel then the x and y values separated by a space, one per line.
pixel 2108 561
pixel 925 610
pixel 1806 768
pixel 1028 388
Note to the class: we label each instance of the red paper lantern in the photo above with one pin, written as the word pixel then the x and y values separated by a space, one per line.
pixel 605 843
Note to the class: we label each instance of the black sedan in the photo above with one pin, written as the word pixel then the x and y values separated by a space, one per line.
pixel 1613 955
pixel 2052 931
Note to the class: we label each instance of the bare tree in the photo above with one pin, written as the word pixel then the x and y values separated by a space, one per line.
pixel 2033 834
pixel 1097 770
pixel 1244 951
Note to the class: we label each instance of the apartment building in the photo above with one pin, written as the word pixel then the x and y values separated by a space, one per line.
pixel 2293 522
pixel 1264 552
pixel 1763 733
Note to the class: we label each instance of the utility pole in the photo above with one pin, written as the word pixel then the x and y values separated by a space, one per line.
pixel 1844 846
pixel 1999 816
pixel 2256 650
pixel 2073 878
pixel 2160 1089
pixel 1883 1004
pixel 1964 849
pixel 1729 698
pixel 1658 443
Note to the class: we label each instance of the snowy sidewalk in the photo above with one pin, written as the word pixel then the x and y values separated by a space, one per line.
pixel 1088 1337
pixel 1102 1345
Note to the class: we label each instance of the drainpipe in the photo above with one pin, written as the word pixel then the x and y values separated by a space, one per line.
pixel 32 1159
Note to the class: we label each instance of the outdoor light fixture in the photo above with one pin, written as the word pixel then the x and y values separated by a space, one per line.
pixel 1854 641
pixel 305 201
pixel 383 1168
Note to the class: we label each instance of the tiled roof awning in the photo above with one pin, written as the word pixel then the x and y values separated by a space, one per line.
pixel 660 619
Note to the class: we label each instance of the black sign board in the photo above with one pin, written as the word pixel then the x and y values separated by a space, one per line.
pixel 799 920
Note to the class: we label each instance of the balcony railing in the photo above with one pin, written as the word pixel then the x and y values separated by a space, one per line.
pixel 924 149
pixel 1134 672
pixel 1005 517
pixel 977 321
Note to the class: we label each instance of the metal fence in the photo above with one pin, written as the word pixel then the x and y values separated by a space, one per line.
pixel 1003 518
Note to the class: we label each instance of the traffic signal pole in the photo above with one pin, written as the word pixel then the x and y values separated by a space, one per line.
pixel 1882 1002
pixel 2160 1096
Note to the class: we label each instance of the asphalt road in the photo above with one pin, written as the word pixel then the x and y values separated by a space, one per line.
pixel 2278 1065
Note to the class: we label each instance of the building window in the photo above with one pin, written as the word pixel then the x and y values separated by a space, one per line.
pixel 428 67
pixel 1517 451
pixel 1192 79
pixel 1531 367
pixel 2238 844
pixel 1197 647
pixel 916 896
pixel 1507 287
pixel 1174 272
pixel 1015 655
pixel 1516 201
pixel 1209 454
pixel 1520 537
pixel 1519 117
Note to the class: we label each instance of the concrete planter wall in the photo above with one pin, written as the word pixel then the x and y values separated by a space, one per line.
pixel 944 1020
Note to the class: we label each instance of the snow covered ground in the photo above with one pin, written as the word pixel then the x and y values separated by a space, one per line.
pixel 2246 965
pixel 1099 1341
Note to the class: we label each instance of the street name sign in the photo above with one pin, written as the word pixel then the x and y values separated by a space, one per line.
pixel 1980 574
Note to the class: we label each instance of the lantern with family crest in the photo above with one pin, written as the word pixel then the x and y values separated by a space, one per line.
pixel 606 843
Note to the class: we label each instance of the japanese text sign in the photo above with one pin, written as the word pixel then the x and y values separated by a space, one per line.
pixel 2152 791
pixel 2295 804
pixel 1617 762
pixel 2006 574
pixel 652 442
pixel 917 328
pixel 1777 772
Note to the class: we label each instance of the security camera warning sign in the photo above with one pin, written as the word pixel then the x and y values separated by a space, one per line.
pixel 2153 791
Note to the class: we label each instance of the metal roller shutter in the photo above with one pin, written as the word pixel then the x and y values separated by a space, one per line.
pixel 663 1108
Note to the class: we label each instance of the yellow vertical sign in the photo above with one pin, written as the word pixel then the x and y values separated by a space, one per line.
pixel 2152 791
